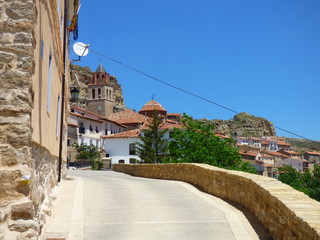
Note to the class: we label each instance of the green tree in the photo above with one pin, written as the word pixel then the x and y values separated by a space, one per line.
pixel 311 181
pixel 89 153
pixel 292 177
pixel 153 148
pixel 197 143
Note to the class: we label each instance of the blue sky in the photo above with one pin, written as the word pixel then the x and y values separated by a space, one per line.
pixel 260 57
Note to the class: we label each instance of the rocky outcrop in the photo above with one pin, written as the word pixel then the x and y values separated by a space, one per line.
pixel 244 124
pixel 82 76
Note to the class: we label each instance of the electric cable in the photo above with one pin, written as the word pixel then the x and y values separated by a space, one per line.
pixel 187 92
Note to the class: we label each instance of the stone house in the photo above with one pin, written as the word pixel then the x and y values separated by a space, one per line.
pixel 301 165
pixel 33 66
pixel 290 153
pixel 312 157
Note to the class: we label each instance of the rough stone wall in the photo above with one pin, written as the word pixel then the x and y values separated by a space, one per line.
pixel 286 213
pixel 27 171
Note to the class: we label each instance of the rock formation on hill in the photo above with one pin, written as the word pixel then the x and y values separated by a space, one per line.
pixel 244 124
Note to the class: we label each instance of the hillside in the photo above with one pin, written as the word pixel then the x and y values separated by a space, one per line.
pixel 245 125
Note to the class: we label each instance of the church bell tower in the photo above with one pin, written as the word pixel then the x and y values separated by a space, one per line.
pixel 100 93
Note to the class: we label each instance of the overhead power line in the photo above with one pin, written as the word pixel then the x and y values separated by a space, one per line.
pixel 188 92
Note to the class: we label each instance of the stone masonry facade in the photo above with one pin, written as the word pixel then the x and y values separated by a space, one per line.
pixel 27 170
pixel 286 213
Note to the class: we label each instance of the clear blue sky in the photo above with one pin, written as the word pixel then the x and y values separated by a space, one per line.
pixel 260 57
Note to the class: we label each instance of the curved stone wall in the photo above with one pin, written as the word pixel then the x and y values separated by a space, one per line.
pixel 284 212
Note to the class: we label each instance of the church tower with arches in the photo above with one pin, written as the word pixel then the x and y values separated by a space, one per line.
pixel 100 93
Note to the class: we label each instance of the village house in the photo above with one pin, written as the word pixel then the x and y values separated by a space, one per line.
pixel 269 144
pixel 301 165
pixel 85 127
pixel 290 153
pixel 121 146
pixel 312 157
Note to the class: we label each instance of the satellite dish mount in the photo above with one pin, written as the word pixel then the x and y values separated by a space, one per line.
pixel 80 49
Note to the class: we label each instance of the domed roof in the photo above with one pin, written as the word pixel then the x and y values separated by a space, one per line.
pixel 152 106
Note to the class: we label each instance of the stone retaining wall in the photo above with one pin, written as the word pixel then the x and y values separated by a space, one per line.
pixel 286 213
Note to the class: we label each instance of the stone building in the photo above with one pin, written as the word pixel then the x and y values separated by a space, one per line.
pixel 32 144
pixel 101 99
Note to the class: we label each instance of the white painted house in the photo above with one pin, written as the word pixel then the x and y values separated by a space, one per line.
pixel 85 127
pixel 121 146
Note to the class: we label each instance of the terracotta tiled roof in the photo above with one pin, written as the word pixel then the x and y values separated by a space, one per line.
pixel 128 116
pixel 85 117
pixel 283 143
pixel 152 106
pixel 313 153
pixel 174 114
pixel 73 125
pixel 135 133
pixel 96 115
pixel 275 153
pixel 292 152
pixel 255 138
pixel 250 153
pixel 165 125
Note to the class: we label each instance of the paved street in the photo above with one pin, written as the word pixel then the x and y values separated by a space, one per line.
pixel 115 206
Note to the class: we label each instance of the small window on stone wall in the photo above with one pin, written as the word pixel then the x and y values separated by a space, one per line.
pixel 93 93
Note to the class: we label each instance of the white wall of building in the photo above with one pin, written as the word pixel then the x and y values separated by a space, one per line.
pixel 118 149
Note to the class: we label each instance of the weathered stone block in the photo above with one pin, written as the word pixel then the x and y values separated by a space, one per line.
pixel 23 38
pixel 6 38
pixel 16 26
pixel 23 225
pixel 9 181
pixel 26 64
pixel 22 211
pixel 18 10
pixel 16 101
pixel 16 80
pixel 6 57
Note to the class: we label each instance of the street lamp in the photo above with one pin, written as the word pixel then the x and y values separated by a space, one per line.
pixel 74 94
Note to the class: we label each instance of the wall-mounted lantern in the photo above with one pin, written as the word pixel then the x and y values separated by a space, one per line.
pixel 74 94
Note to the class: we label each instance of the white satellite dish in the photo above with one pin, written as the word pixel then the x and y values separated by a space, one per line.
pixel 81 49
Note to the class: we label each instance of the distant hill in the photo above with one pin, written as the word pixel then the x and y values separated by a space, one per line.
pixel 244 125
pixel 303 145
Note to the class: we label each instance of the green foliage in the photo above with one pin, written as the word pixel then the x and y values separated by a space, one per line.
pixel 153 148
pixel 197 143
pixel 89 153
pixel 307 182
pixel 291 176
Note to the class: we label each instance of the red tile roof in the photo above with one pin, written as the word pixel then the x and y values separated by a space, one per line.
pixel 85 117
pixel 313 153
pixel 73 125
pixel 96 115
pixel 152 106
pixel 135 133
pixel 128 116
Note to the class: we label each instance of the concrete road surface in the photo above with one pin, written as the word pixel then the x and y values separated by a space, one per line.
pixel 114 206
